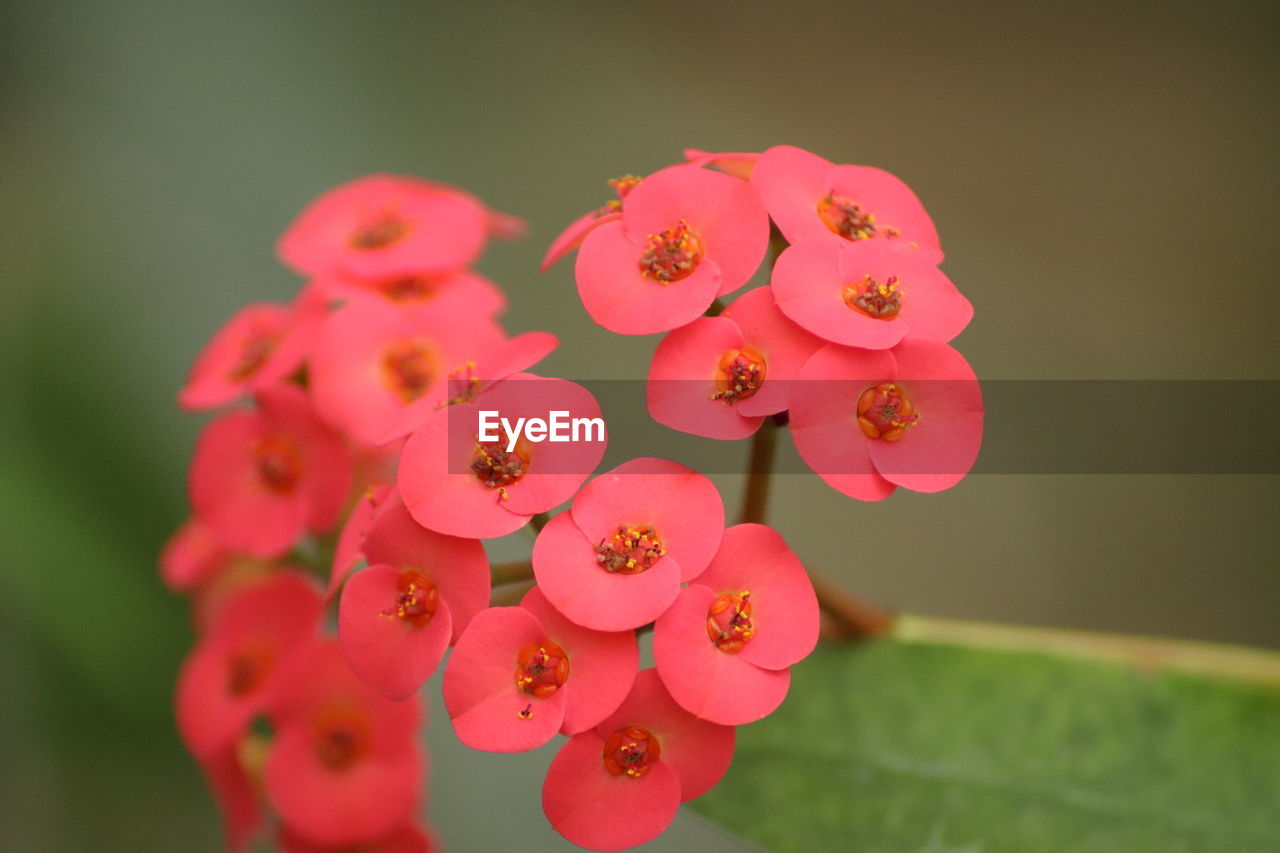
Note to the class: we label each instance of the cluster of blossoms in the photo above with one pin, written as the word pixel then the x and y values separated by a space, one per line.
pixel 341 497
pixel 848 340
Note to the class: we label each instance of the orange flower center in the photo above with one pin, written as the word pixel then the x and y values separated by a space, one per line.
pixel 541 669
pixel 881 300
pixel 672 254
pixel 848 219
pixel 407 369
pixel 279 463
pixel 630 752
pixel 417 599
pixel 407 288
pixel 729 623
pixel 630 551
pixel 342 737
pixel 497 468
pixel 739 375
pixel 885 411
pixel 379 232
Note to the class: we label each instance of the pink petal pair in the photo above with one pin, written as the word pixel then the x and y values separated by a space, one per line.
pixel 686 236
pixel 724 648
pixel 457 484
pixel 632 536
pixel 419 593
pixel 868 421
pixel 521 674
pixel 619 784
pixel 868 293
pixel 811 198
pixel 720 376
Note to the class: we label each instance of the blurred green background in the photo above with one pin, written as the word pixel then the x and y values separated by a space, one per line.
pixel 1104 177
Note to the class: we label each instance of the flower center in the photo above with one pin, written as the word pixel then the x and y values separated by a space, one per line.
pixel 407 369
pixel 729 623
pixel 621 186
pixel 497 468
pixel 463 384
pixel 739 375
pixel 881 300
pixel 279 464
pixel 845 217
pixel 672 254
pixel 247 669
pixel 541 669
pixel 341 739
pixel 630 551
pixel 379 232
pixel 885 411
pixel 631 751
pixel 254 353
pixel 417 598
pixel 407 288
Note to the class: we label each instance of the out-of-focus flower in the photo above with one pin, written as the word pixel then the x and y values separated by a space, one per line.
pixel 520 674
pixel 260 478
pixel 261 345
pixel 344 766
pixel 619 784
pixel 870 293
pixel 740 164
pixel 407 839
pixel 725 646
pixel 384 225
pixel 632 536
pixel 686 236
pixel 257 637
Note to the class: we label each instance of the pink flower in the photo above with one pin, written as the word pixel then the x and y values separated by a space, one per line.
pixel 384 225
pixel 250 647
pixel 725 647
pixel 454 483
pixel 577 230
pixel 344 766
pixel 686 236
pixel 719 376
pixel 261 345
pixel 419 593
pixel 811 198
pixel 619 784
pixel 869 293
pixel 377 371
pixel 869 421
pixel 739 164
pixel 632 536
pixel 520 674
pixel 406 839
pixel 260 478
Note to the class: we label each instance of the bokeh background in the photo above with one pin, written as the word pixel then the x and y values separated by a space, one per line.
pixel 1104 177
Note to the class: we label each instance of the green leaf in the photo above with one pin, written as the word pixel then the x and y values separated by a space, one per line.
pixel 900 746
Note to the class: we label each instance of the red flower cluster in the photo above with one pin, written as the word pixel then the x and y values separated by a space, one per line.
pixel 350 452
pixel 849 337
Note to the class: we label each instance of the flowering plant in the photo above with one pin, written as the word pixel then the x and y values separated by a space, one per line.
pixel 353 443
